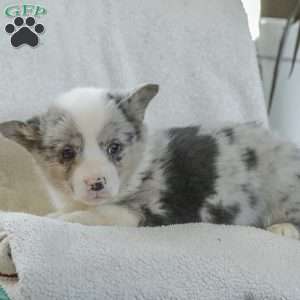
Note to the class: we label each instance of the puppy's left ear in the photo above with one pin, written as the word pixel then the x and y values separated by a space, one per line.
pixel 136 102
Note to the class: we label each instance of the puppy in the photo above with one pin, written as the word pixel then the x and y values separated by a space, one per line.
pixel 104 168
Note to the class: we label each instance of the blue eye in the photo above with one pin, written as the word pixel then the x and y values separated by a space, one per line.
pixel 114 148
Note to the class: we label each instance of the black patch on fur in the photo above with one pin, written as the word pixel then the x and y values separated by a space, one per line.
pixel 151 219
pixel 250 158
pixel 298 176
pixel 251 194
pixel 148 175
pixel 223 214
pixel 189 167
pixel 229 133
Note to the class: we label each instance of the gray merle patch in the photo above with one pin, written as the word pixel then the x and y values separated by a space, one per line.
pixel 251 193
pixel 223 214
pixel 250 158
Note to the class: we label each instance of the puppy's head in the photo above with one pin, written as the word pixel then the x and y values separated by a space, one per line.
pixel 90 141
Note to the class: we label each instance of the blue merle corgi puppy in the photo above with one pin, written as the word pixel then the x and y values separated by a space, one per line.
pixel 103 167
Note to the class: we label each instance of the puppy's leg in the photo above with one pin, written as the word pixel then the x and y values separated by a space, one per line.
pixel 67 209
pixel 285 229
pixel 103 215
pixel 289 215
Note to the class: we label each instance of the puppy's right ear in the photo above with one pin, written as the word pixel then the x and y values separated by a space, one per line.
pixel 26 134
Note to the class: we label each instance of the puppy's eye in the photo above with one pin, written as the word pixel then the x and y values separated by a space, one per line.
pixel 68 153
pixel 114 148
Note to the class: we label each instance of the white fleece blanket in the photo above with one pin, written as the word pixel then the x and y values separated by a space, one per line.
pixel 56 260
pixel 199 51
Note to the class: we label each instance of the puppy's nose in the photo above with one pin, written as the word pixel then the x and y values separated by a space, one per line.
pixel 95 184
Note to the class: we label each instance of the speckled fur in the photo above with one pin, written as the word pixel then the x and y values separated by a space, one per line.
pixel 248 178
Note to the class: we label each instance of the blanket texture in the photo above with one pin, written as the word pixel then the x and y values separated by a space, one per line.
pixel 199 51
pixel 55 260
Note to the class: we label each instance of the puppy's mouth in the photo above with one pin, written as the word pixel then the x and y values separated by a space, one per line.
pixel 96 197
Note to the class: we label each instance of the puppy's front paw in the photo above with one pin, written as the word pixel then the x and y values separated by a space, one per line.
pixel 285 229
pixel 86 218
pixel 7 266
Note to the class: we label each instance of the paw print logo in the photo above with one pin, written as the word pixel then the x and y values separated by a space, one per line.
pixel 24 33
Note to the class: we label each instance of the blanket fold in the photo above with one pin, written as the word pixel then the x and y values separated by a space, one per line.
pixel 56 260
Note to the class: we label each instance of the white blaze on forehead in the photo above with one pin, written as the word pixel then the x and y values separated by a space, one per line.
pixel 89 108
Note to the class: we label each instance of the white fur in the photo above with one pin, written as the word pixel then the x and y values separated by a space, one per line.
pixel 89 108
pixel 285 229
pixel 91 112
pixel 104 215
